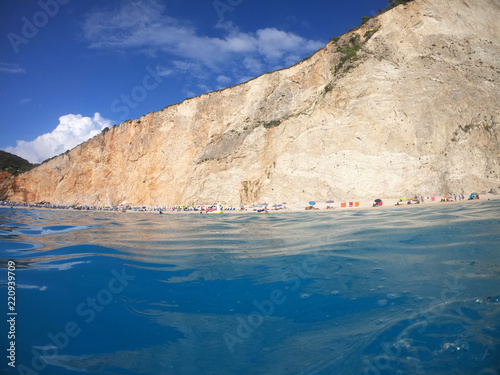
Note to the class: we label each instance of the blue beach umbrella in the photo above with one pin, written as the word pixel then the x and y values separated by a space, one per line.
pixel 312 203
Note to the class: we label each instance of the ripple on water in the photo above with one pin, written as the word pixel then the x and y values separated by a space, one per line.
pixel 359 292
pixel 435 340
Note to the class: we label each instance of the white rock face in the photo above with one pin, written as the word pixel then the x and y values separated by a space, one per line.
pixel 415 111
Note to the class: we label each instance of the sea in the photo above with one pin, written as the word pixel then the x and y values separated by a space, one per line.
pixel 399 290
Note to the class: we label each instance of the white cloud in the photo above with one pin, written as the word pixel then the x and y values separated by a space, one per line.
pixel 253 66
pixel 25 101
pixel 71 131
pixel 164 72
pixel 11 68
pixel 185 66
pixel 224 80
pixel 142 26
pixel 204 88
pixel 273 43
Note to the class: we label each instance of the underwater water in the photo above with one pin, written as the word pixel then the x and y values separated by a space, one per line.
pixel 377 291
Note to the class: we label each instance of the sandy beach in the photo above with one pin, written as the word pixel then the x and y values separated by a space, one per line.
pixel 365 204
pixel 396 203
pixel 387 203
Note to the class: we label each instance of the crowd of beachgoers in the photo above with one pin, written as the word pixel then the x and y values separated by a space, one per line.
pixel 130 208
pixel 262 207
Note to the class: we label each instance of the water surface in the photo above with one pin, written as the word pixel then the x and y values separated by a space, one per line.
pixel 389 291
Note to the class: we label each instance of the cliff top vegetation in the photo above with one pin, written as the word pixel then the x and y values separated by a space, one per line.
pixel 14 164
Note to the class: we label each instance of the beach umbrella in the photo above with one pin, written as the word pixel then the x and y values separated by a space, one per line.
pixel 402 198
pixel 283 203
pixel 378 200
pixel 312 203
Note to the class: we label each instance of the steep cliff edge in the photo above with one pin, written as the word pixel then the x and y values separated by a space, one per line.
pixel 406 104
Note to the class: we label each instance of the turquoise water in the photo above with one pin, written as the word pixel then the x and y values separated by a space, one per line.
pixel 390 291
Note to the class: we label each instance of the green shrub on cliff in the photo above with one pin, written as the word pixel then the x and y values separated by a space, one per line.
pixel 14 164
pixel 350 51
pixel 392 4
pixel 395 3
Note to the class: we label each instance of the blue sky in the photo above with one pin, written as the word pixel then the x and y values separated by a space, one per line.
pixel 69 68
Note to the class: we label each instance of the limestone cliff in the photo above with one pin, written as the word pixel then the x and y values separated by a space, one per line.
pixel 406 104
pixel 4 175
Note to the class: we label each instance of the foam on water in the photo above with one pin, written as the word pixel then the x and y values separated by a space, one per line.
pixel 391 291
